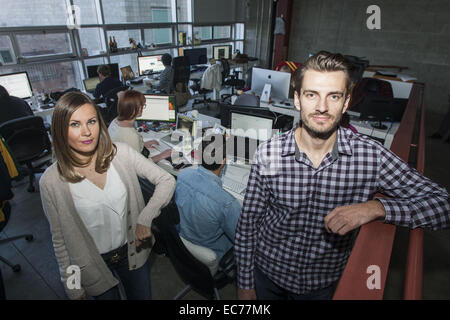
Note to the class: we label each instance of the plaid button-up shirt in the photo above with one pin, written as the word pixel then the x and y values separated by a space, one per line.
pixel 281 227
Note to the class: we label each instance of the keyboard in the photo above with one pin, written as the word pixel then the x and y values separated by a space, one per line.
pixel 233 185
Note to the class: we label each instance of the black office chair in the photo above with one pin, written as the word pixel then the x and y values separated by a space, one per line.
pixel 111 98
pixel 28 142
pixel 230 79
pixel 194 273
pixel 196 87
pixel 181 75
pixel 5 195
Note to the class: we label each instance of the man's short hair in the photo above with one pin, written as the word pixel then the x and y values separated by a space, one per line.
pixel 3 92
pixel 324 61
pixel 213 151
pixel 104 70
pixel 166 59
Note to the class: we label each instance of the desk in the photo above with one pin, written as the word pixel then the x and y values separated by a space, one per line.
pixel 384 136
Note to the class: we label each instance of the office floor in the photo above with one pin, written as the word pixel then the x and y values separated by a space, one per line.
pixel 39 278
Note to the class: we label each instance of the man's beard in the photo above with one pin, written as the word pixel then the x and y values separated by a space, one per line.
pixel 323 135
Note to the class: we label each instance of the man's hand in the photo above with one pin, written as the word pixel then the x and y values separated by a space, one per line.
pixel 142 233
pixel 246 294
pixel 346 218
pixel 151 143
pixel 163 155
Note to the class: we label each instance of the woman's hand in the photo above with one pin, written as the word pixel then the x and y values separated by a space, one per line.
pixel 151 143
pixel 142 234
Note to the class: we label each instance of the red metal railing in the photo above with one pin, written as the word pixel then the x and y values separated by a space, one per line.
pixel 373 246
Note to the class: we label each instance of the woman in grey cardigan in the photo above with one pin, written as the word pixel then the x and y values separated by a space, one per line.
pixel 93 202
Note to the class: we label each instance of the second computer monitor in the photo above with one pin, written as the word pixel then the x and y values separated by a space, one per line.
pixel 17 84
pixel 91 83
pixel 92 70
pixel 279 81
pixel 196 56
pixel 251 126
pixel 159 108
pixel 222 52
pixel 150 64
pixel 127 73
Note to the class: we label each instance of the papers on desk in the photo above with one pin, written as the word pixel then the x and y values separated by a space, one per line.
pixel 401 76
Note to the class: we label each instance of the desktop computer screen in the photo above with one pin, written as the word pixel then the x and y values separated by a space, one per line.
pixel 91 83
pixel 92 70
pixel 279 81
pixel 127 73
pixel 251 126
pixel 17 84
pixel 148 63
pixel 222 52
pixel 196 56
pixel 160 108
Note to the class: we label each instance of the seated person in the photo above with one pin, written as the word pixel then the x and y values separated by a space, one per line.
pixel 12 107
pixel 208 214
pixel 107 83
pixel 166 77
pixel 122 129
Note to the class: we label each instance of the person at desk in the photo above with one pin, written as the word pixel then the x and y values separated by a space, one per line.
pixel 122 129
pixel 94 204
pixel 107 83
pixel 208 214
pixel 166 77
pixel 310 188
pixel 12 107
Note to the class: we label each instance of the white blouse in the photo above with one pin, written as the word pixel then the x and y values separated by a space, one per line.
pixel 103 211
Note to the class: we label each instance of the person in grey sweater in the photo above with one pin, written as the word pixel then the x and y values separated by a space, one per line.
pixel 93 202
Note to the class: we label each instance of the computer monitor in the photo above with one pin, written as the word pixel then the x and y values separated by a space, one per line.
pixel 159 108
pixel 91 83
pixel 251 126
pixel 127 73
pixel 148 64
pixel 196 56
pixel 92 70
pixel 222 52
pixel 279 81
pixel 186 125
pixel 17 84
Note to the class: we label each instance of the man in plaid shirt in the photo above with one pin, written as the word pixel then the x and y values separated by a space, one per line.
pixel 312 187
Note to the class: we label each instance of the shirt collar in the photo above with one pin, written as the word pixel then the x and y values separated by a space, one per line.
pixel 342 145
pixel 210 174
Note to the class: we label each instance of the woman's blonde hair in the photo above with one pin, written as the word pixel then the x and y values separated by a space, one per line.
pixel 66 158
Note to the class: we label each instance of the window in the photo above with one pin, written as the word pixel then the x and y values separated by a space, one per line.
pixel 89 11
pixel 50 77
pixel 27 13
pixel 187 34
pixel 134 11
pixel 123 37
pixel 158 36
pixel 6 51
pixel 93 40
pixel 202 33
pixel 184 10
pixel 239 31
pixel 44 44
pixel 222 32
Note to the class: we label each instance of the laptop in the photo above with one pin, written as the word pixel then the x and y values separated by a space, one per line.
pixel 91 83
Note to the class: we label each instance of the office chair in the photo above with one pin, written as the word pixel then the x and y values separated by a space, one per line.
pixel 196 87
pixel 5 211
pixel 28 237
pixel 202 278
pixel 230 79
pixel 181 75
pixel 28 142
pixel 111 98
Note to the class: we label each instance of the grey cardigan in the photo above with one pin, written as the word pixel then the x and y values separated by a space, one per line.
pixel 71 240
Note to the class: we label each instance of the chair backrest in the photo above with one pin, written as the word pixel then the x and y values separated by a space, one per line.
pixel 225 69
pixel 247 100
pixel 192 271
pixel 181 70
pixel 26 137
pixel 111 99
